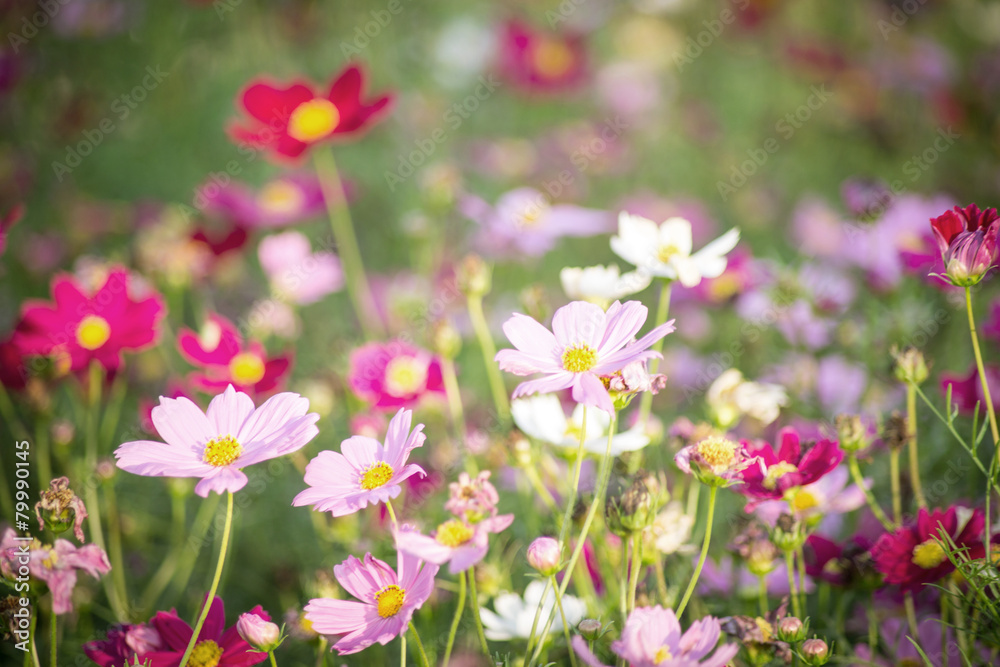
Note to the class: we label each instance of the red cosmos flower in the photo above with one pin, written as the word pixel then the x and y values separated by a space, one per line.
pixel 540 61
pixel 967 239
pixel 394 375
pixel 913 556
pixel 216 645
pixel 287 121
pixel 789 468
pixel 79 328
pixel 221 351
pixel 838 564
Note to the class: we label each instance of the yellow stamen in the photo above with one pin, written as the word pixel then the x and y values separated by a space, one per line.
pixel 206 653
pixel 776 472
pixel 280 197
pixel 405 376
pixel 552 57
pixel 579 358
pixel 718 452
pixel 453 533
pixel 221 451
pixel 246 368
pixel 662 654
pixel 92 332
pixel 390 600
pixel 766 629
pixel 667 252
pixel 313 120
pixel 803 501
pixel 378 474
pixel 929 554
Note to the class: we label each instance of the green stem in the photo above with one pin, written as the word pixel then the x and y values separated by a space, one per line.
pixel 459 608
pixel 911 615
pixel 115 543
pixel 215 581
pixel 981 369
pixel 454 397
pixel 565 624
pixel 801 560
pixel 489 350
pixel 911 426
pixel 762 593
pixel 538 613
pixel 793 590
pixel 392 514
pixel 713 492
pixel 859 481
pixel 474 601
pixel 575 488
pixel 402 650
pixel 42 446
pixel 661 580
pixel 663 307
pixel 633 583
pixel 274 663
pixel 10 417
pixel 623 587
pixel 53 652
pixel 33 647
pixel 185 559
pixel 420 646
pixel 347 243
pixel 897 496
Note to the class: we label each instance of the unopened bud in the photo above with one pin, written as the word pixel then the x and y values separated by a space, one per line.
pixel 910 366
pixel 791 630
pixel 589 628
pixel 815 652
pixel 545 555
pixel 259 633
pixel 852 433
pixel 474 275
pixel 895 433
pixel 447 340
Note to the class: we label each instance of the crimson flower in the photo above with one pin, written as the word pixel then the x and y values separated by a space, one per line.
pixel 838 564
pixel 288 120
pixel 913 555
pixel 967 239
pixel 216 645
pixel 219 349
pixel 788 468
pixel 79 327
pixel 537 61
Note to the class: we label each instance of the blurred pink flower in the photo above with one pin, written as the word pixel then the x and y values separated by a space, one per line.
pixel 541 62
pixel 471 498
pixel 395 374
pixel 296 273
pixel 282 201
pixel 456 542
pixel 58 564
pixel 823 501
pixel 967 390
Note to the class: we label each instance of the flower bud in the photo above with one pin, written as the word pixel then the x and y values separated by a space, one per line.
pixel 474 275
pixel 786 535
pixel 910 366
pixel 262 635
pixel 545 555
pixel 852 433
pixel 895 433
pixel 635 508
pixel 815 652
pixel 589 628
pixel 791 630
pixel 447 341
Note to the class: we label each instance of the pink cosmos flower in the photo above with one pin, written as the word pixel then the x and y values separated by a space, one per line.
pixel 296 273
pixel 456 542
pixel 586 345
pixel 536 61
pixel 386 601
pixel 787 468
pixel 215 445
pixel 838 564
pixel 524 223
pixel 967 239
pixel 79 327
pixel 822 501
pixel 652 637
pixel 394 375
pixel 226 358
pixel 967 390
pixel 282 201
pixel 472 499
pixel 122 644
pixel 365 471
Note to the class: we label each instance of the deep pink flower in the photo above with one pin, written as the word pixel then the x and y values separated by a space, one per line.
pixel 456 542
pixel 79 328
pixel 386 601
pixel 123 644
pixel 787 468
pixel 394 375
pixel 282 201
pixel 227 359
pixel 537 61
pixel 365 471
pixel 838 564
pixel 217 645
pixel 216 445
pixel 967 390
pixel 967 239
pixel 297 273
pixel 824 500
pixel 221 238
pixel 587 344
pixel 13 371
pixel 652 637
pixel 913 556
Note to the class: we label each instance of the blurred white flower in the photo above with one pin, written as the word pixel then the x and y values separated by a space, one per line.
pixel 671 529
pixel 602 284
pixel 542 417
pixel 514 616
pixel 665 250
pixel 731 397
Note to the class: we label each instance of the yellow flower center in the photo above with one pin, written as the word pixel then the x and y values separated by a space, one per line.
pixel 552 57
pixel 776 472
pixel 313 120
pixel 92 332
pixel 667 252
pixel 929 554
pixel 206 653
pixel 453 533
pixel 717 452
pixel 246 368
pixel 662 654
pixel 405 376
pixel 51 559
pixel 579 358
pixel 766 630
pixel 376 475
pixel 724 287
pixel 803 501
pixel 390 600
pixel 280 197
pixel 221 451
pixel 531 214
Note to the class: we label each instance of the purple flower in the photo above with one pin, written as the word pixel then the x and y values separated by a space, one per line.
pixel 456 542
pixel 295 272
pixel 587 344
pixel 652 638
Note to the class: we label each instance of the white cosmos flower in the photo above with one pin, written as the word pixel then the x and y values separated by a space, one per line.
pixel 731 396
pixel 602 284
pixel 542 418
pixel 671 529
pixel 665 250
pixel 514 616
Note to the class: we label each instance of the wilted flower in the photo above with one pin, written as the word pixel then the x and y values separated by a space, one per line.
pixel 967 239
pixel 60 508
pixel 909 365
pixel 851 432
pixel 715 461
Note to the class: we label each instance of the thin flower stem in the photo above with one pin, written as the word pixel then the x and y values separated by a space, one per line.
pixel 402 650
pixel 420 646
pixel 489 350
pixel 347 243
pixel 454 397
pixel 662 309
pixel 565 623
pixel 911 427
pixel 459 608
pixel 392 514
pixel 227 529
pixel 633 583
pixel 897 496
pixel 33 647
pixel 474 601
pixel 185 565
pixel 713 492
pixel 538 613
pixel 274 663
pixel 575 488
pixel 762 593
pixel 981 369
pixel 42 446
pixel 53 652
pixel 800 558
pixel 115 543
pixel 623 586
pixel 10 417
pixel 859 481
pixel 911 615
pixel 792 588
pixel 661 581
pixel 944 629
pixel 321 652
pixel 536 482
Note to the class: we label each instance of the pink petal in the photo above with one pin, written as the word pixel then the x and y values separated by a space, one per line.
pixel 156 459
pixel 228 411
pixel 360 451
pixel 530 337
pixel 223 479
pixel 181 423
pixel 545 385
pixel 624 322
pixel 334 617
pixel 579 323
pixel 423 547
pixel 589 390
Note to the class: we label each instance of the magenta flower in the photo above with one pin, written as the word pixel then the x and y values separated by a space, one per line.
pixel 587 344
pixel 967 239
pixel 58 564
pixel 386 603
pixel 283 201
pixel 394 375
pixel 365 471
pixel 715 461
pixel 652 638
pixel 967 390
pixel 295 272
pixel 456 542
pixel 215 445
pixel 787 468
pixel 823 500
pixel 122 644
